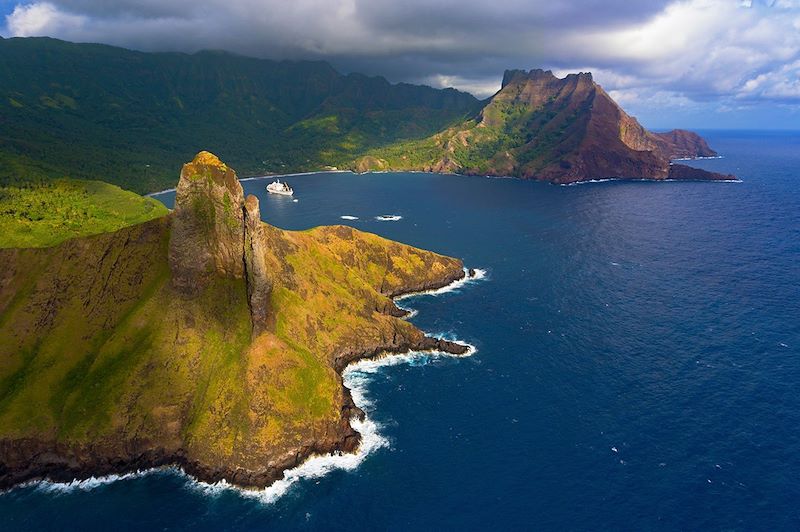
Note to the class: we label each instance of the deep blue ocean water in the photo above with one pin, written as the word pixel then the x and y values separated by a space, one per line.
pixel 638 363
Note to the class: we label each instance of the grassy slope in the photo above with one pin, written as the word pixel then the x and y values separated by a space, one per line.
pixel 42 213
pixel 514 139
pixel 98 112
pixel 111 355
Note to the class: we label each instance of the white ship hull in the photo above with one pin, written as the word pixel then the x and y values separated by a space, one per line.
pixel 280 188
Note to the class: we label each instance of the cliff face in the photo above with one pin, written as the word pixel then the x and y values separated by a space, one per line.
pixel 207 237
pixel 205 339
pixel 217 233
pixel 680 144
pixel 553 129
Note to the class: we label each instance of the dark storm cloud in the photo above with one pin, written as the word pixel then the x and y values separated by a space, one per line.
pixel 413 39
pixel 674 52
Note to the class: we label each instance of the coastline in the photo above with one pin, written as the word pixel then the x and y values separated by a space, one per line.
pixel 253 178
pixel 487 176
pixel 627 179
pixel 310 461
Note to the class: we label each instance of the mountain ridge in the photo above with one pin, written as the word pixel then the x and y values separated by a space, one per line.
pixel 131 118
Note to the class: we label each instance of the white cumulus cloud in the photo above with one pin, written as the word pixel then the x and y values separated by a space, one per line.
pixel 41 19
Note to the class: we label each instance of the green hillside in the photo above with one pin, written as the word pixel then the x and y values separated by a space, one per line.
pixel 41 214
pixel 98 112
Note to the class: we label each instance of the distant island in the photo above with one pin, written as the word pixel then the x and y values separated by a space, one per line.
pixel 203 338
pixel 96 112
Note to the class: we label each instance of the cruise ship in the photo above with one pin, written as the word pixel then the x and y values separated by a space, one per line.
pixel 276 187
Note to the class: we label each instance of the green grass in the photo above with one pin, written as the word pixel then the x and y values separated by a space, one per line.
pixel 43 214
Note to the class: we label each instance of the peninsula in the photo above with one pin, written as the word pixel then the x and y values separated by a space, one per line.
pixel 203 338
pixel 561 130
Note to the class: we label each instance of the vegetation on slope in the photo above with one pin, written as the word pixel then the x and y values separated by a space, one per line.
pixel 99 112
pixel 44 213
pixel 106 364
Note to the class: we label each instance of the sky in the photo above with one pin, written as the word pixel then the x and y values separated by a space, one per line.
pixel 672 63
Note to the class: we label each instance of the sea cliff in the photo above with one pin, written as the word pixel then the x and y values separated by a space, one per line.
pixel 204 339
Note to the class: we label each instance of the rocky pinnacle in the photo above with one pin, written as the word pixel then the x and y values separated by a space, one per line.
pixel 216 232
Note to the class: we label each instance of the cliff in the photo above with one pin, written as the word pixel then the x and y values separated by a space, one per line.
pixel 205 339
pixel 542 127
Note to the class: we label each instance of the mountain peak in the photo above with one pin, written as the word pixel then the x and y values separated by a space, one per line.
pixel 206 165
pixel 208 159
pixel 541 75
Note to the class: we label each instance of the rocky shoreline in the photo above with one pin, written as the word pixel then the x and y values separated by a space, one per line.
pixel 29 460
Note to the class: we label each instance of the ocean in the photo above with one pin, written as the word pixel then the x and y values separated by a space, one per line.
pixel 637 364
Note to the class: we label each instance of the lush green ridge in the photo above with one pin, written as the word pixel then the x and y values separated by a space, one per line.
pixel 99 112
pixel 44 213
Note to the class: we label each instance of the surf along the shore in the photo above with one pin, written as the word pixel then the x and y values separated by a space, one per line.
pixel 356 377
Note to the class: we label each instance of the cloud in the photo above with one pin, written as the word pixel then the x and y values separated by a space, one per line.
pixel 670 53
pixel 41 19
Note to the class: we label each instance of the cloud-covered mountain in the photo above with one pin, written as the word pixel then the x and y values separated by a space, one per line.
pixel 662 58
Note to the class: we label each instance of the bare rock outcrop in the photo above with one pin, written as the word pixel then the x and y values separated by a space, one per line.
pixel 216 232
pixel 207 224
pixel 258 282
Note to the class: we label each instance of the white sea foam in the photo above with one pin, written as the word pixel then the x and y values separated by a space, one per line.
pixel 410 312
pixel 455 286
pixel 606 180
pixel 388 217
pixel 88 484
pixel 626 179
pixel 356 377
pixel 314 467
pixel 348 217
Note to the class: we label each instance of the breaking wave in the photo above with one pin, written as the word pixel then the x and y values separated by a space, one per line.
pixel 88 484
pixel 388 217
pixel 626 179
pixel 348 217
pixel 477 275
